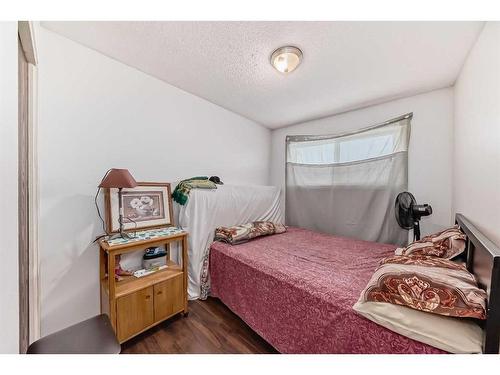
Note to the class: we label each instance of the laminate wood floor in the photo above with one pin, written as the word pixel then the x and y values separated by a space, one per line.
pixel 210 327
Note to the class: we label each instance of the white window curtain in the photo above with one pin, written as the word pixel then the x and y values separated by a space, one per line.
pixel 347 184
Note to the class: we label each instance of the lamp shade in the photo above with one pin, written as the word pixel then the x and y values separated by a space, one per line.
pixel 118 178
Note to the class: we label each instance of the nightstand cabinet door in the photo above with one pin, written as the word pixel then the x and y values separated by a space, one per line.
pixel 134 313
pixel 168 298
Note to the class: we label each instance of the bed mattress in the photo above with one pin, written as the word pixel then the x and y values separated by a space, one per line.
pixel 297 289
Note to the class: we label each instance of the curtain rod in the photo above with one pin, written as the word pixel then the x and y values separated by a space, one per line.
pixel 305 138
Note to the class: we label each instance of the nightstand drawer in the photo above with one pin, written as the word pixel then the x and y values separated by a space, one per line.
pixel 168 298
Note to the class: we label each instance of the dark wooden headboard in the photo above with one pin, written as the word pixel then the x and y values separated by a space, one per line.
pixel 483 260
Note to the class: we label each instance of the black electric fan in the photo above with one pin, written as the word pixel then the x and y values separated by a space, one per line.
pixel 409 213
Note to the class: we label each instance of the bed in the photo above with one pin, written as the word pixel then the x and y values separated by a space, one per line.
pixel 297 290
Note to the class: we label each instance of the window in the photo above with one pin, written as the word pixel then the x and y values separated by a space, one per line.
pixel 369 144
pixel 346 184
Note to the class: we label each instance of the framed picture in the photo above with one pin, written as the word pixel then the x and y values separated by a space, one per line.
pixel 147 206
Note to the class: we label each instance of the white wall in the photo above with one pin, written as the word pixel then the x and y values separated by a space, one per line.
pixel 96 113
pixel 476 179
pixel 9 279
pixel 430 152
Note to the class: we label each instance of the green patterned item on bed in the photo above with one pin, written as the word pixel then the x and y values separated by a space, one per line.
pixel 181 192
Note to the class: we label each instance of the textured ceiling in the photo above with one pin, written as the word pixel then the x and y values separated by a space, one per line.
pixel 346 65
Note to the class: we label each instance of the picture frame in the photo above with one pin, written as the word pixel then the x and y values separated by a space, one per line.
pixel 147 206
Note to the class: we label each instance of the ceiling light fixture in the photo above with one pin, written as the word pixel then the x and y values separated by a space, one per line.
pixel 286 59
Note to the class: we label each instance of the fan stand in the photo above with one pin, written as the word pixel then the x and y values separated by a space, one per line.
pixel 416 230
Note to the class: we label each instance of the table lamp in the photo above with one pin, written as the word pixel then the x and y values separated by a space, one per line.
pixel 119 179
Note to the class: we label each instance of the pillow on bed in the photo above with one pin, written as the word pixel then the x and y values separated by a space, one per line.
pixel 243 233
pixel 450 334
pixel 428 284
pixel 446 244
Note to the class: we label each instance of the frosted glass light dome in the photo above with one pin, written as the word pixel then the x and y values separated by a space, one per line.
pixel 286 59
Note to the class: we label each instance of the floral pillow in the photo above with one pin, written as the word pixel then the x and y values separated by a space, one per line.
pixel 428 284
pixel 243 233
pixel 446 244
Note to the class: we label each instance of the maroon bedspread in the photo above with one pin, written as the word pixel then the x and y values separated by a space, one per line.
pixel 297 290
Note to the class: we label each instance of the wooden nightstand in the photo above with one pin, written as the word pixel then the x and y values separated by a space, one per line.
pixel 137 304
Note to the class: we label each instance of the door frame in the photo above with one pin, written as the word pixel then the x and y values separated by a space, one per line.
pixel 29 295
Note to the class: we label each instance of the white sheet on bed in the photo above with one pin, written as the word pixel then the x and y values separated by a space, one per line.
pixel 228 205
